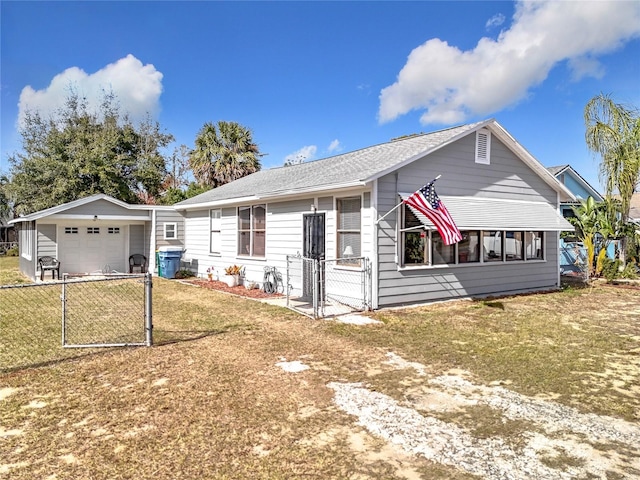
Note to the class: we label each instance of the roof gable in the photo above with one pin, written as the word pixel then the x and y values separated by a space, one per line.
pixel 99 198
pixel 579 184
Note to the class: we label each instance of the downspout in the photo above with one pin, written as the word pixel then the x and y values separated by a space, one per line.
pixel 395 230
pixel 375 260
pixel 152 253
pixel 558 240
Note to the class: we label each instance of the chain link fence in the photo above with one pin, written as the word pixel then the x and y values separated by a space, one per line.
pixel 326 288
pixel 37 321
pixel 344 283
pixel 573 260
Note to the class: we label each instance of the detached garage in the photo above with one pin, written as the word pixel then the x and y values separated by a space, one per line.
pixel 96 234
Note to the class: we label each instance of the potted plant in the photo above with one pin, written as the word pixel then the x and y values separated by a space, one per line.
pixel 232 275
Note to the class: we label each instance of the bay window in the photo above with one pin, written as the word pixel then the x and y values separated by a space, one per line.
pixel 422 245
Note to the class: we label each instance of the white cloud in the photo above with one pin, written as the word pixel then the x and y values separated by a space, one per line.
pixel 299 156
pixel 137 87
pixel 334 146
pixel 450 85
pixel 495 21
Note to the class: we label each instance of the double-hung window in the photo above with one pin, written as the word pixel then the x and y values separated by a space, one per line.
pixel 349 227
pixel 170 231
pixel 215 242
pixel 252 230
pixel 415 240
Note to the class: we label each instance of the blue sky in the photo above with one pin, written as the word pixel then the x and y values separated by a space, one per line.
pixel 313 79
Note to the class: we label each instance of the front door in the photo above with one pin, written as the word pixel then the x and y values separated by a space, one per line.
pixel 313 247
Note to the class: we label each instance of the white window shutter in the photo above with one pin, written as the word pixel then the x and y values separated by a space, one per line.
pixel 483 147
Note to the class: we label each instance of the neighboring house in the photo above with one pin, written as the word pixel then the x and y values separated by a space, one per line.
pixel 503 200
pixel 577 185
pixel 96 232
pixel 634 211
pixel 572 252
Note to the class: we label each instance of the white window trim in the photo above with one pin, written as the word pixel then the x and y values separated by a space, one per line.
pixel 211 230
pixel 175 231
pixel 355 265
pixel 483 147
pixel 252 230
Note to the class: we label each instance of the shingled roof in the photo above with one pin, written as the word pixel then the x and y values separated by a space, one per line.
pixel 354 168
pixel 349 169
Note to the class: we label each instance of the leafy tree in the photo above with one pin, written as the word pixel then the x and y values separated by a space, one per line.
pixel 6 207
pixel 613 132
pixel 175 195
pixel 77 153
pixel 223 153
pixel 178 168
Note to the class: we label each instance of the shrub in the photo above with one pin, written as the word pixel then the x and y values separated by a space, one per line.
pixel 184 273
pixel 630 271
pixel 610 269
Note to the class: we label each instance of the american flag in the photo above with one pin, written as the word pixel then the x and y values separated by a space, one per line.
pixel 426 201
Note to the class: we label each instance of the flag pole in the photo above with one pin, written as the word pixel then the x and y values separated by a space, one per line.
pixel 397 206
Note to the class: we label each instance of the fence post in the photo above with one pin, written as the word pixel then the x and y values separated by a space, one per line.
pixel 288 280
pixel 63 299
pixel 148 313
pixel 315 289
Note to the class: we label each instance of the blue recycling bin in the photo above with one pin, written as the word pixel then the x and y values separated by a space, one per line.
pixel 169 258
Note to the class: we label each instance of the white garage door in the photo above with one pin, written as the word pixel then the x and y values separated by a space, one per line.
pixel 87 248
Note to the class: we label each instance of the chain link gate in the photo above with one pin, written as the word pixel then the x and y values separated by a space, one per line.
pixel 107 312
pixel 112 311
pixel 326 288
pixel 345 286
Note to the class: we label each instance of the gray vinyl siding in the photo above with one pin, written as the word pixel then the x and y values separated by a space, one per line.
pixel 137 240
pixel 506 177
pixel 47 240
pixel 169 216
pixel 104 207
pixel 325 203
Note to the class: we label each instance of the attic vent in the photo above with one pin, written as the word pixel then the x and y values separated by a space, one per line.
pixel 483 147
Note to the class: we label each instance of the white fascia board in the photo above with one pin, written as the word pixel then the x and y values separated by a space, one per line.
pixel 101 217
pixel 77 203
pixel 217 203
pixel 281 195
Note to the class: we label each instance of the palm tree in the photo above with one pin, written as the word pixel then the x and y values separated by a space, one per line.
pixel 586 222
pixel 223 154
pixel 613 132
